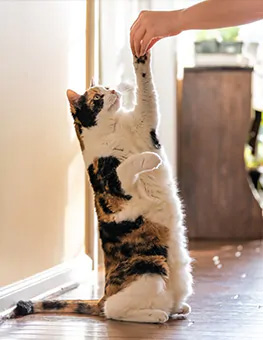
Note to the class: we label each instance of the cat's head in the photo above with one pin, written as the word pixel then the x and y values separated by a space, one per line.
pixel 96 104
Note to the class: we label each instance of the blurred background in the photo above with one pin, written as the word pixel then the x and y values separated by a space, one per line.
pixel 210 89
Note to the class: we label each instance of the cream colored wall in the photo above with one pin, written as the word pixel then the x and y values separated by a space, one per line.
pixel 42 53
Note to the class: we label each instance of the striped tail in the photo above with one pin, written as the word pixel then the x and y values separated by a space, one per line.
pixel 88 307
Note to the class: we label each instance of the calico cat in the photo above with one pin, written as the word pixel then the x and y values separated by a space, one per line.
pixel 147 265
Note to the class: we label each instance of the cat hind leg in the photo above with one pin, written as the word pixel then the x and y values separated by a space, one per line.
pixel 144 300
pixel 143 316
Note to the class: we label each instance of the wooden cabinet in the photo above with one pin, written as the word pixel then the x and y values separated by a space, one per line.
pixel 213 126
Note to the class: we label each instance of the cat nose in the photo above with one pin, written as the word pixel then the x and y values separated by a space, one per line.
pixel 113 91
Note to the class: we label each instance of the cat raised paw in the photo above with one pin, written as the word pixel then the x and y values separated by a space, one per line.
pixel 142 59
pixel 142 64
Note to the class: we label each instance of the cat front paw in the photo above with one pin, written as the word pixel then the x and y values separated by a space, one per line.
pixel 142 59
pixel 185 309
pixel 182 312
pixel 141 64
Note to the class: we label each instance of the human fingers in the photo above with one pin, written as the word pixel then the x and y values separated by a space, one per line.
pixel 146 42
pixel 133 31
pixel 138 39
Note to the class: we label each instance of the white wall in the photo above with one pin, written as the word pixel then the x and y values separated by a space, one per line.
pixel 42 53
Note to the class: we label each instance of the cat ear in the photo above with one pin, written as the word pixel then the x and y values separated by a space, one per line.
pixel 73 98
pixel 92 82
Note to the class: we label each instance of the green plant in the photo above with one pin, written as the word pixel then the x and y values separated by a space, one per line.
pixel 229 34
pixel 223 34
pixel 205 35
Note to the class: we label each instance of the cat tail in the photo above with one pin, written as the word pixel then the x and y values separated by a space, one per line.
pixel 130 169
pixel 87 307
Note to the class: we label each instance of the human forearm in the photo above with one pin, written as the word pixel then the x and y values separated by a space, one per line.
pixel 220 13
pixel 152 26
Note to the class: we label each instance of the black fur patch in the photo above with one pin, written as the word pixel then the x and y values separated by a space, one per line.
pixel 129 249
pixel 114 185
pixel 139 267
pixel 155 139
pixel 85 115
pixel 142 59
pixel 144 75
pixel 24 308
pixel 83 308
pixel 144 266
pixel 113 232
pixel 112 251
pixel 104 206
pixel 54 304
pixel 156 250
pixel 97 184
pixel 115 280
pixel 106 176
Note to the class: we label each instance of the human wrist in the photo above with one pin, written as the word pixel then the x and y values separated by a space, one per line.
pixel 177 22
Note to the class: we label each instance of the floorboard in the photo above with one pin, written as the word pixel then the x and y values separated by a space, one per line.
pixel 227 304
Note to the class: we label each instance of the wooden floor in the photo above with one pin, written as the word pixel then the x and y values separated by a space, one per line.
pixel 228 304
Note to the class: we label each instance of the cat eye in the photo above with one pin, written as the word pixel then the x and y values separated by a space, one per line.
pixel 97 96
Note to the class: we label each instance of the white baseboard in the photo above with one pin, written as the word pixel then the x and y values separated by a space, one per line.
pixel 51 282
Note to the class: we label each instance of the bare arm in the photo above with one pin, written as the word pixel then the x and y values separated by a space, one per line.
pixel 221 13
pixel 152 26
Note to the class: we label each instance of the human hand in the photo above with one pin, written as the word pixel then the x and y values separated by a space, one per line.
pixel 150 27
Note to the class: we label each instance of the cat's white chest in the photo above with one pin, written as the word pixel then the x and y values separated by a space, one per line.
pixel 120 145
